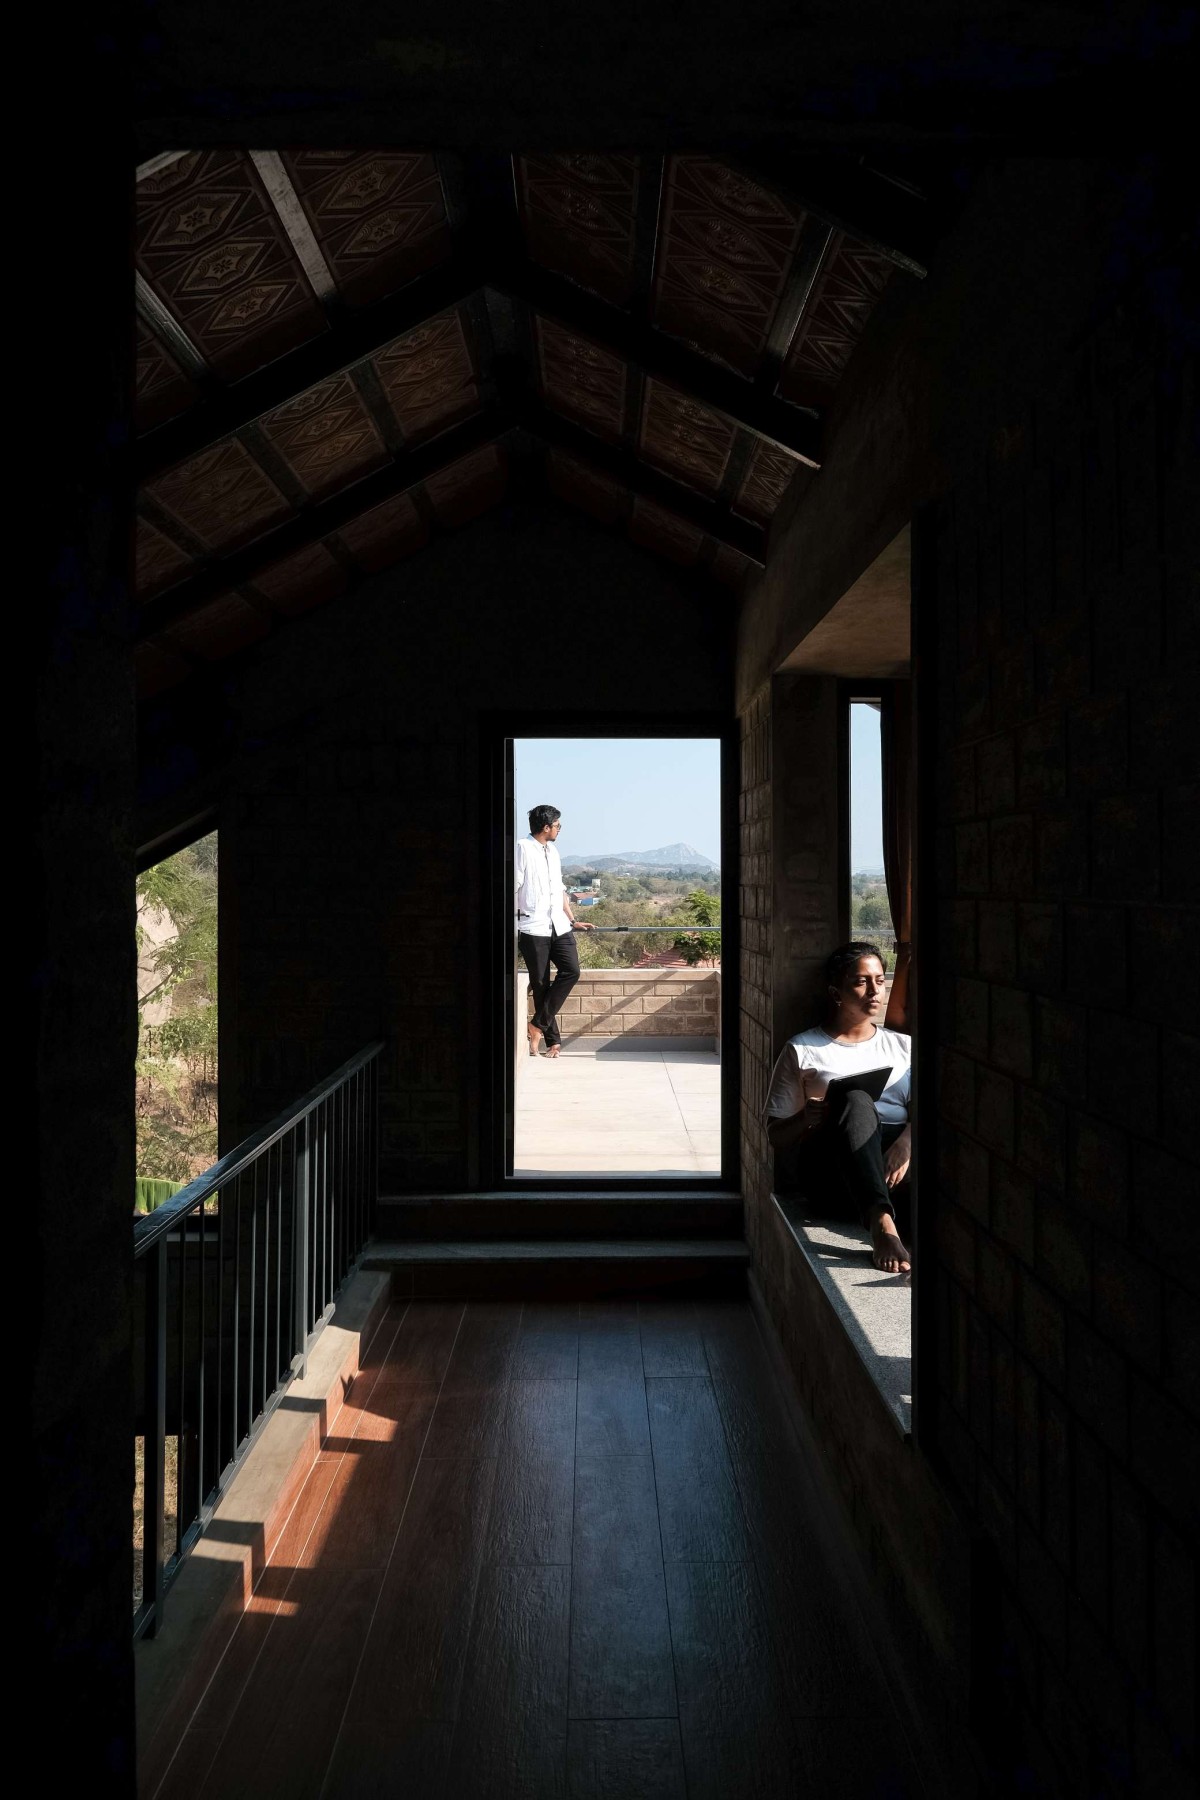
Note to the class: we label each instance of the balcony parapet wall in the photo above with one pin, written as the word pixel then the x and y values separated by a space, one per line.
pixel 632 1004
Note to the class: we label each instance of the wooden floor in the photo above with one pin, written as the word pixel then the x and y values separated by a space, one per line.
pixel 554 1551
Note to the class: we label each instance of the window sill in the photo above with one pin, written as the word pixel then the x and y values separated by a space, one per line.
pixel 874 1308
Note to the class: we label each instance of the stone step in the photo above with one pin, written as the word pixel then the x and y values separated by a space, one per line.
pixel 559 1216
pixel 558 1268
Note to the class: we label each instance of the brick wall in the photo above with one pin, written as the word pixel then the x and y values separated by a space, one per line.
pixel 754 836
pixel 1067 1309
pixel 665 1003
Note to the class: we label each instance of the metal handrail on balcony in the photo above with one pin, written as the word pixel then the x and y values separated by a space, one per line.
pixel 234 1277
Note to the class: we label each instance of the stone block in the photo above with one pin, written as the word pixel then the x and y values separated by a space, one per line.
pixel 1062 854
pixel 1011 1035
pixel 996 1279
pixel 1129 1572
pixel 1011 857
pixel 956 1244
pixel 1164 1445
pixel 1125 841
pixel 1128 1302
pixel 1061 1055
pixel 997 940
pixel 971 1016
pixel 971 1181
pixel 1041 1136
pixel 971 859
pixel 1098 746
pixel 1064 1251
pixel 1098 1170
pixel 1124 1078
pixel 994 1102
pixel 1028 1440
pixel 957 1089
pixel 995 776
pixel 1042 1329
pixel 1173 1613
pixel 1181 1346
pixel 1013 1209
pixel 1041 761
pixel 1098 1385
pixel 1039 946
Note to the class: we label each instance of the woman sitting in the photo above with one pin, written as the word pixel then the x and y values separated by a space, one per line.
pixel 852 1150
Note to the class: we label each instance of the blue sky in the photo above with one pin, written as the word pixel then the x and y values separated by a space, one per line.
pixel 624 793
pixel 637 793
pixel 866 790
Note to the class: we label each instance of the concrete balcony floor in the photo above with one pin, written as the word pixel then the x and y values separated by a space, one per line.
pixel 608 1112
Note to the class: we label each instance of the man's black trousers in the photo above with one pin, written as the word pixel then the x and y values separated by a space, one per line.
pixel 548 995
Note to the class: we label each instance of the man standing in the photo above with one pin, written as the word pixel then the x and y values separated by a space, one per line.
pixel 545 927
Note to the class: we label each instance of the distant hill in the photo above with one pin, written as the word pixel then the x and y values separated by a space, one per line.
pixel 667 856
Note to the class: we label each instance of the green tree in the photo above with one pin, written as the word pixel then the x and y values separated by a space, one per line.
pixel 177 1060
pixel 701 946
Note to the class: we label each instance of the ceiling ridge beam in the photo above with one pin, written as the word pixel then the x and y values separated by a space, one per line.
pixel 320 519
pixel 816 238
pixel 897 224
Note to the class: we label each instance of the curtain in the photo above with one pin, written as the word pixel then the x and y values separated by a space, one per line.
pixel 896 747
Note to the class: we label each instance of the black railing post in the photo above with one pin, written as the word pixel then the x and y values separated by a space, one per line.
pixel 300 1189
pixel 154 1441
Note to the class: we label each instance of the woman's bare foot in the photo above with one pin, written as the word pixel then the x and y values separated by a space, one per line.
pixel 536 1035
pixel 553 1049
pixel 887 1251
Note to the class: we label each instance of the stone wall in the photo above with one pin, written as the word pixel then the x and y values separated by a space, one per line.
pixel 659 1003
pixel 1033 1542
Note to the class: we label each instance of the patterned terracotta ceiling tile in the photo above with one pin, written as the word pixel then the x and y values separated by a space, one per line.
pixel 578 378
pixel 428 376
pixel 378 215
pixel 689 441
pixel 845 295
pixel 724 255
pixel 163 390
pixel 326 436
pixel 219 629
pixel 657 529
pixel 579 215
pixel 468 487
pixel 213 248
pixel 158 563
pixel 730 566
pixel 380 537
pixel 157 666
pixel 303 580
pixel 222 496
pixel 597 494
pixel 766 480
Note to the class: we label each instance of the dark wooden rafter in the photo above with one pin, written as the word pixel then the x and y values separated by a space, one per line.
pixel 277 182
pixel 894 221
pixel 518 409
pixel 163 323
pixel 510 274
pixel 317 521
pixel 815 240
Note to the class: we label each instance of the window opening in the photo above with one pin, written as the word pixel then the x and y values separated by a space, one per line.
pixel 617 1067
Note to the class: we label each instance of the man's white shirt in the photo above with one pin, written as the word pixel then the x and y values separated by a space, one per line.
pixel 540 893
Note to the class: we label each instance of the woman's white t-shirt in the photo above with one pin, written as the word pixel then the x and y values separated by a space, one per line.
pixel 816 1050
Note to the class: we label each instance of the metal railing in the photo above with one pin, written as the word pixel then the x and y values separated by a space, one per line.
pixel 675 930
pixel 234 1278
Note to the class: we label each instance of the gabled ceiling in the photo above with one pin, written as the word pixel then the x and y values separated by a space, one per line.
pixel 342 352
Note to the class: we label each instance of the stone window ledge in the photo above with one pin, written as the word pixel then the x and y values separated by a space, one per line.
pixel 874 1308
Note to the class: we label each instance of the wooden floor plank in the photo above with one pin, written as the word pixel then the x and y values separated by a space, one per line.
pixel 672 1342
pixel 625 1759
pixel 511 1734
pixel 423 1344
pixel 620 1634
pixel 417 1648
pixel 357 1526
pixel 471 1404
pixel 737 1736
pixel 610 1345
pixel 548 1342
pixel 611 1419
pixel 533 1499
pixel 282 1736
pixel 399 1759
pixel 698 1505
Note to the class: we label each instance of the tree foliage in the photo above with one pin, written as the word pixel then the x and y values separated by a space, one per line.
pixel 177 1059
pixel 701 946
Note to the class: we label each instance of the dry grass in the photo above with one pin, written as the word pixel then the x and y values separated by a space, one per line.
pixel 171 1499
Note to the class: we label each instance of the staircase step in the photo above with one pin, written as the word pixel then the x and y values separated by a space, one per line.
pixel 512 1267
pixel 558 1216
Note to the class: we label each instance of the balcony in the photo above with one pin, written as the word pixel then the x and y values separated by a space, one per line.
pixel 637 1090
